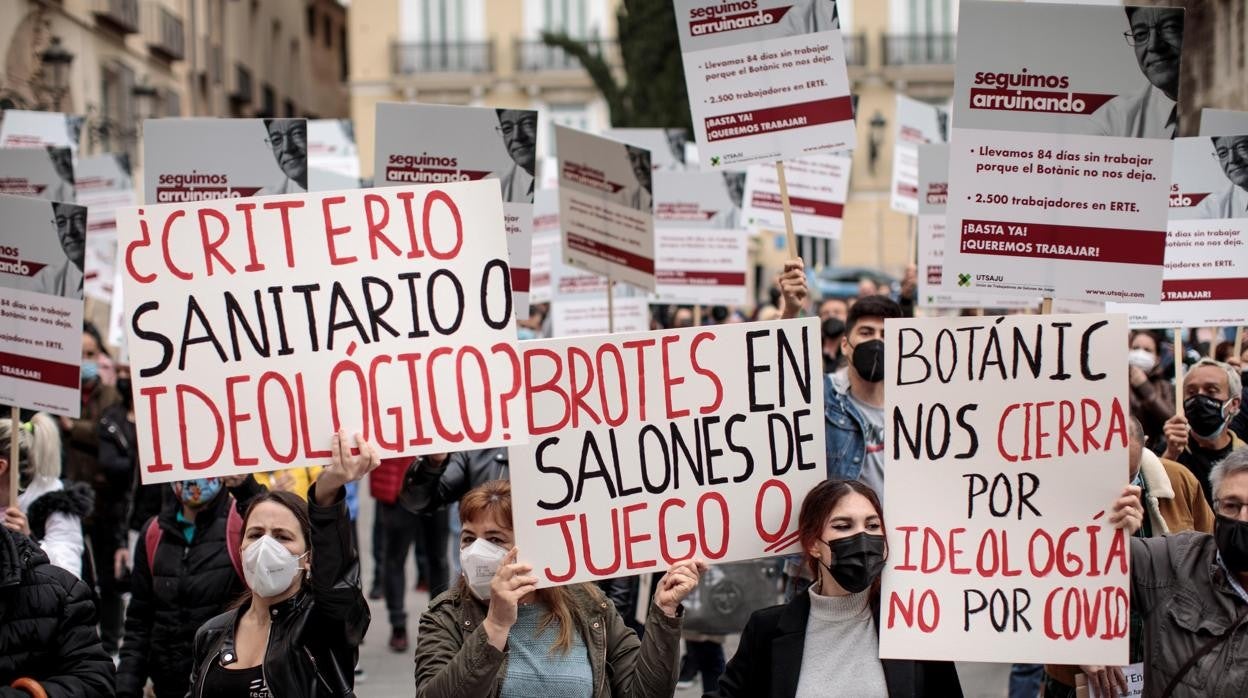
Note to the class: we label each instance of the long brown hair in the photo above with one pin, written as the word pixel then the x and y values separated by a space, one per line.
pixel 819 504
pixel 492 500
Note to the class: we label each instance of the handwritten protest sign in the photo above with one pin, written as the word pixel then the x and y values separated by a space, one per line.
pixel 918 123
pixel 202 159
pixel 644 450
pixel 1206 277
pixel 1006 441
pixel 1060 159
pixel 818 186
pixel 606 207
pixel 41 173
pixel 1223 122
pixel 767 79
pixel 933 187
pixel 268 323
pixel 41 257
pixel 422 143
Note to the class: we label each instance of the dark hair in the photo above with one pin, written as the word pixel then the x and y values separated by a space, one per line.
pixel 89 327
pixel 819 504
pixel 872 306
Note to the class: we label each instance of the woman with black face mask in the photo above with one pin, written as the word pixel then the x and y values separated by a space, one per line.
pixel 825 642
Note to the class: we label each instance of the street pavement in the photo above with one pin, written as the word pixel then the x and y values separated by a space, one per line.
pixel 391 674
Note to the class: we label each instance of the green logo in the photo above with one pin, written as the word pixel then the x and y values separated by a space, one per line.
pixel 714 160
pixel 964 279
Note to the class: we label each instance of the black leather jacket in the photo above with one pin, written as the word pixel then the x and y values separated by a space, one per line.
pixel 427 488
pixel 315 637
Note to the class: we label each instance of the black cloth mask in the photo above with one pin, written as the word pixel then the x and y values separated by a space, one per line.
pixel 1204 414
pixel 856 561
pixel 1231 535
pixel 868 360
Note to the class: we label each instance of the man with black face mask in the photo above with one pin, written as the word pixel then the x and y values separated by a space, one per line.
pixel 854 401
pixel 1190 589
pixel 1199 437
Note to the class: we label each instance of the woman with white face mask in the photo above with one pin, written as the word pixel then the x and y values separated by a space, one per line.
pixel 497 634
pixel 298 631
pixel 1152 394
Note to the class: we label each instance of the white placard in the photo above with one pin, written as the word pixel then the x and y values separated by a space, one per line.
pixel 1006 443
pixel 203 159
pixel 610 485
pixel 767 79
pixel 41 173
pixel 918 123
pixel 271 322
pixel 333 158
pixel 818 186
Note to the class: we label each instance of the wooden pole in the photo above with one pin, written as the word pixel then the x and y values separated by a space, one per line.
pixel 790 237
pixel 610 306
pixel 1046 306
pixel 14 426
pixel 914 242
pixel 697 315
pixel 1178 372
pixel 1239 343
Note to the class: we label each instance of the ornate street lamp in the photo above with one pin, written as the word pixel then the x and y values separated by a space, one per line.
pixel 874 140
pixel 55 60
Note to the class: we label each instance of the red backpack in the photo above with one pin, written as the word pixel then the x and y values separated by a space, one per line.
pixel 233 539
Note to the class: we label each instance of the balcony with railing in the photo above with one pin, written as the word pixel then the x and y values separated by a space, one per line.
pixel 534 55
pixel 918 49
pixel 415 58
pixel 119 15
pixel 240 85
pixel 164 33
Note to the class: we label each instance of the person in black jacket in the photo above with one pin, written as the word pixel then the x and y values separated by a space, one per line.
pixel 47 627
pixel 297 634
pixel 189 579
pixel 825 642
pixel 115 483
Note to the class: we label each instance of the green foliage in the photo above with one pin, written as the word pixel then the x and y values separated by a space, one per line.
pixel 652 93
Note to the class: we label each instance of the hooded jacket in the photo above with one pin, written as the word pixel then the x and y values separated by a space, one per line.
pixel 47 626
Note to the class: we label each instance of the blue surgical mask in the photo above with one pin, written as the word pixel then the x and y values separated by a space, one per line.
pixel 525 333
pixel 90 371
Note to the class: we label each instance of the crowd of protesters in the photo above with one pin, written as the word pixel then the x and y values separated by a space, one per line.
pixel 252 586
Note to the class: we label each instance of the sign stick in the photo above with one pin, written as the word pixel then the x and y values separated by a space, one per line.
pixel 1046 306
pixel 697 315
pixel 1239 342
pixel 1178 372
pixel 610 305
pixel 913 254
pixel 790 238
pixel 14 425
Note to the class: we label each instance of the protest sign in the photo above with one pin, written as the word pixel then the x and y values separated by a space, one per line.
pixel 421 143
pixel 701 266
pixel 333 158
pixel 271 322
pixel 41 173
pixel 585 315
pixel 1206 277
pixel 933 183
pixel 39 129
pixel 1060 159
pixel 1223 122
pixel 699 199
pixel 918 123
pixel 103 184
pixel 669 147
pixel 606 207
pixel 644 450
pixel 41 256
pixel 1006 443
pixel 202 159
pixel 767 79
pixel 818 186
pixel 545 244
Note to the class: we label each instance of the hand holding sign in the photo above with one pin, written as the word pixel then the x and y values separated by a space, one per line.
pixel 1128 513
pixel 1105 681
pixel 793 290
pixel 681 579
pixel 345 467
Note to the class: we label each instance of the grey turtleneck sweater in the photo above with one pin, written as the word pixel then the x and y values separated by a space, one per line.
pixel 842 652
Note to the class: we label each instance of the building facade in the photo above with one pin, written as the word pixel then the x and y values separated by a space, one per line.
pixel 199 57
pixel 475 52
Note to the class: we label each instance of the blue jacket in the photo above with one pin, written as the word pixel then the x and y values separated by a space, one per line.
pixel 844 427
